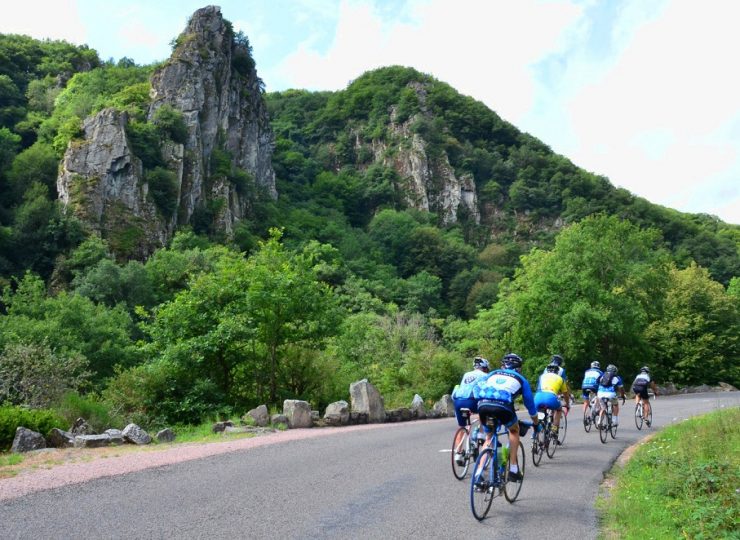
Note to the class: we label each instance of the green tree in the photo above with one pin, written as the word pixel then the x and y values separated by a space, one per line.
pixel 697 341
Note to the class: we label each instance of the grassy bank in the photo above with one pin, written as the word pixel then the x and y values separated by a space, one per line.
pixel 681 484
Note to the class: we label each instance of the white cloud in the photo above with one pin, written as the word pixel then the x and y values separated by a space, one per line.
pixel 43 19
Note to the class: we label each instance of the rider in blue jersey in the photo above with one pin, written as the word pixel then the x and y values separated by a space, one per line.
pixel 590 383
pixel 462 395
pixel 496 394
pixel 558 361
pixel 610 385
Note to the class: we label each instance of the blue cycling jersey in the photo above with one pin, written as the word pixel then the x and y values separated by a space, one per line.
pixel 505 385
pixel 465 389
pixel 591 378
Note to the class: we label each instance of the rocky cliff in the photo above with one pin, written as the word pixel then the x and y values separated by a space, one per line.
pixel 219 166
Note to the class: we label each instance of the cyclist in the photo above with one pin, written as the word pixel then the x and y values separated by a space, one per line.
pixel 462 395
pixel 610 384
pixel 496 394
pixel 640 388
pixel 590 383
pixel 558 361
pixel 549 386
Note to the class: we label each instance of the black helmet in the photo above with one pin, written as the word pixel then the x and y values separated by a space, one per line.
pixel 644 369
pixel 553 368
pixel 480 363
pixel 557 360
pixel 595 365
pixel 512 361
pixel 612 368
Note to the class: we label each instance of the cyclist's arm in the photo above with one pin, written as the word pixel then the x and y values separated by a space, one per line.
pixel 529 401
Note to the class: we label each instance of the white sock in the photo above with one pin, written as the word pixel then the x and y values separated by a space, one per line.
pixel 615 420
pixel 514 468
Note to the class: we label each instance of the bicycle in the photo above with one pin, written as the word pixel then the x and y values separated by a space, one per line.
pixel 589 415
pixel 544 441
pixel 464 449
pixel 563 429
pixel 489 481
pixel 605 424
pixel 640 417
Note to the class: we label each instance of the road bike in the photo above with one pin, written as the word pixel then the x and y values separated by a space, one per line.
pixel 605 424
pixel 563 424
pixel 491 476
pixel 464 447
pixel 640 417
pixel 589 415
pixel 544 440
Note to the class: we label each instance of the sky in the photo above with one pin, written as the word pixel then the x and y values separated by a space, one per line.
pixel 644 92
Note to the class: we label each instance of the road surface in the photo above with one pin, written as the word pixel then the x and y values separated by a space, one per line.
pixel 390 482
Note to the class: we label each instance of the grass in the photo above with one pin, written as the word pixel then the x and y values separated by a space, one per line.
pixel 683 483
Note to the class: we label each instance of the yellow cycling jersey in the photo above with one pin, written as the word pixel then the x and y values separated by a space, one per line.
pixel 552 382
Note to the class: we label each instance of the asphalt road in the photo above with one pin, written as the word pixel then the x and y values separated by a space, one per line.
pixel 394 482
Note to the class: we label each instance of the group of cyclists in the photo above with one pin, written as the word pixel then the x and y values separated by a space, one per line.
pixel 491 393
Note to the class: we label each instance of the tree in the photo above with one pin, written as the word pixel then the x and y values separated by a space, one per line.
pixel 591 297
pixel 697 340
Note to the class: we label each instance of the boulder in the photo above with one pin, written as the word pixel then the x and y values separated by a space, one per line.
pixel 366 399
pixel 724 387
pixel 668 390
pixel 358 418
pixel 276 419
pixel 444 406
pixel 337 414
pixel 433 413
pixel 220 427
pixel 60 439
pixel 81 427
pixel 418 410
pixel 116 436
pixel 92 441
pixel 259 417
pixel 134 434
pixel 315 416
pixel 298 413
pixel 236 429
pixel 165 435
pixel 26 440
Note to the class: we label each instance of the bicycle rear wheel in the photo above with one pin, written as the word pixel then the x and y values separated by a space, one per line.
pixel 481 485
pixel 603 426
pixel 538 447
pixel 563 428
pixel 587 419
pixel 460 453
pixel 638 415
pixel 612 428
pixel 511 487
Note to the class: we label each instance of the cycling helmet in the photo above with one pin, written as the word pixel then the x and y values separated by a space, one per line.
pixel 644 369
pixel 553 368
pixel 557 360
pixel 595 364
pixel 512 361
pixel 480 363
pixel 612 368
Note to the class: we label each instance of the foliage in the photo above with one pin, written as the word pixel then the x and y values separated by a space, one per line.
pixel 698 332
pixel 163 189
pixel 36 376
pixel 682 483
pixel 39 420
pixel 72 406
pixel 171 123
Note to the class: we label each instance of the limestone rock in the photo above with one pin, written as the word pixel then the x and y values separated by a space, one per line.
pixel 81 427
pixel 116 436
pixel 92 441
pixel 165 435
pixel 276 419
pixel 724 387
pixel 298 413
pixel 26 440
pixel 337 413
pixel 220 427
pixel 445 406
pixel 60 439
pixel 259 417
pixel 418 410
pixel 366 399
pixel 134 434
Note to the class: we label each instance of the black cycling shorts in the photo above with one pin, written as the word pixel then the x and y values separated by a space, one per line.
pixel 641 391
pixel 503 412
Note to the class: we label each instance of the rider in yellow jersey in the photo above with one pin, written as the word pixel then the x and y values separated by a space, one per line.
pixel 550 385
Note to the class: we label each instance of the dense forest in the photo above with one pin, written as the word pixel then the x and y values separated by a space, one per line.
pixel 342 276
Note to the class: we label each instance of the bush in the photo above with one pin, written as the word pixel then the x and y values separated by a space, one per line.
pixel 74 406
pixel 163 189
pixel 171 124
pixel 40 420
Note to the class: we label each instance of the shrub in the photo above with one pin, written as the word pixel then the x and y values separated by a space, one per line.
pixel 73 406
pixel 171 124
pixel 163 189
pixel 40 420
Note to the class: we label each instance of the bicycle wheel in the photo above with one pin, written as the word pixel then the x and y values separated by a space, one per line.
pixel 587 419
pixel 563 429
pixel 638 415
pixel 603 426
pixel 538 447
pixel 481 485
pixel 511 487
pixel 612 428
pixel 551 444
pixel 460 453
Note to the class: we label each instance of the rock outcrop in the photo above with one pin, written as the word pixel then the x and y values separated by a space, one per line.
pixel 367 400
pixel 217 165
pixel 27 440
pixel 298 413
